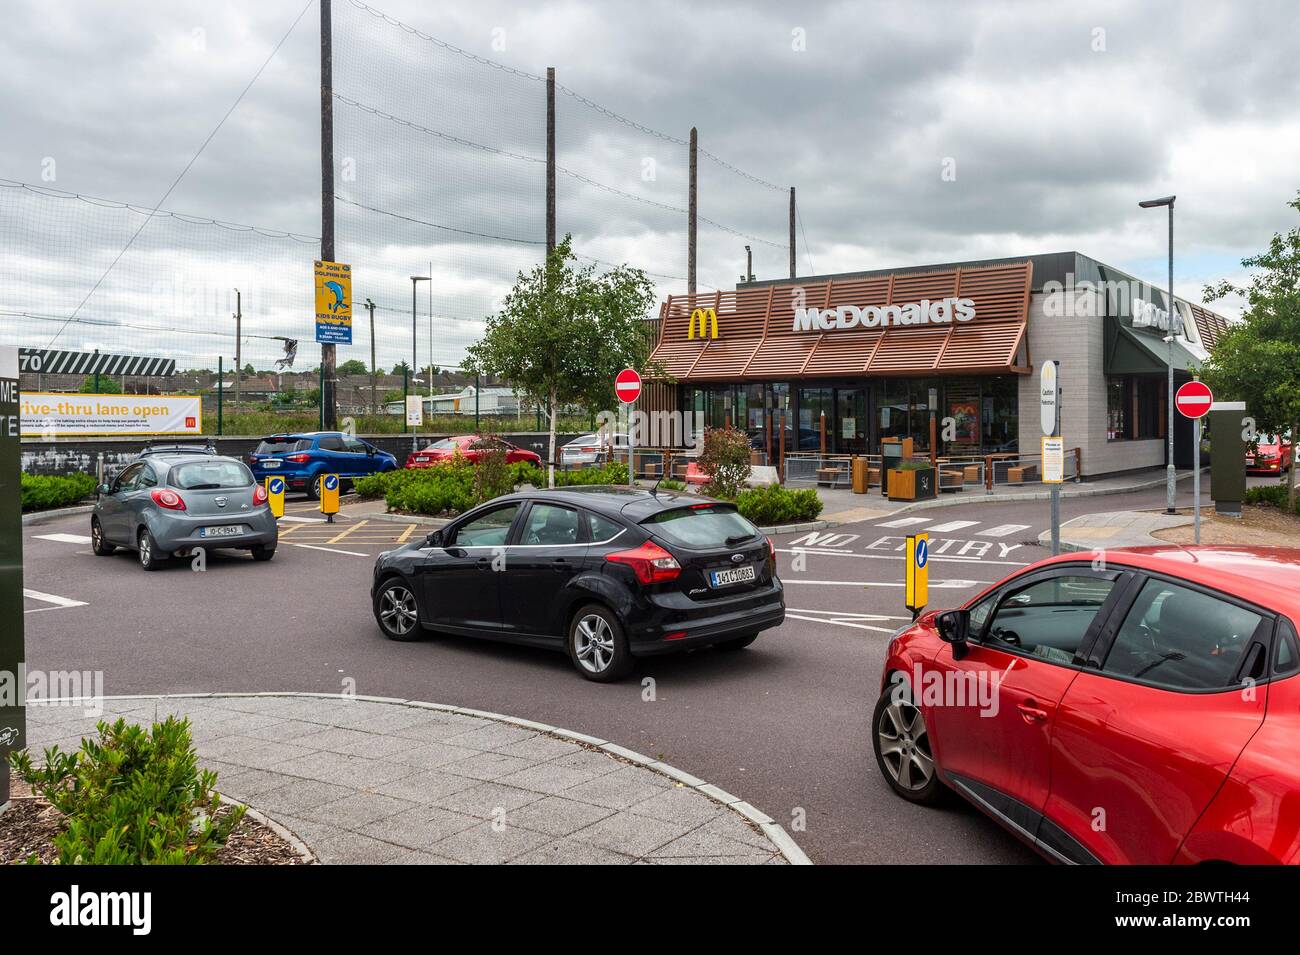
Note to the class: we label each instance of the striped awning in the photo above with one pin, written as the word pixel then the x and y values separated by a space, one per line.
pixel 756 337
pixel 53 361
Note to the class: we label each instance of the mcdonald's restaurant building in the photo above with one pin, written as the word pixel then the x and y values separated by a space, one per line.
pixel 841 362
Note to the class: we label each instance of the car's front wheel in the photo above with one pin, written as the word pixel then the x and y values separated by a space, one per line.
pixel 597 645
pixel 101 547
pixel 150 557
pixel 902 744
pixel 397 611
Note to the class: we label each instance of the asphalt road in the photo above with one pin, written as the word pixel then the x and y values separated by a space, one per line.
pixel 783 724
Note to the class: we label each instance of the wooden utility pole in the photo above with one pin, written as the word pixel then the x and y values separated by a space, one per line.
pixel 550 159
pixel 792 215
pixel 690 219
pixel 328 399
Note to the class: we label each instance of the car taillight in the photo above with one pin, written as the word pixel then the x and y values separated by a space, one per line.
pixel 166 497
pixel 259 495
pixel 650 562
pixel 298 458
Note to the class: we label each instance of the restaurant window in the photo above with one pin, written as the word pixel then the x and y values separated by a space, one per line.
pixel 892 403
pixel 813 404
pixel 1001 413
pixel 1133 408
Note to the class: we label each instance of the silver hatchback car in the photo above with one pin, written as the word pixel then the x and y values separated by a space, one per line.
pixel 174 504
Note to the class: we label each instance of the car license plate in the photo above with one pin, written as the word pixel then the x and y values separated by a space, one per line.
pixel 270 464
pixel 732 575
pixel 225 530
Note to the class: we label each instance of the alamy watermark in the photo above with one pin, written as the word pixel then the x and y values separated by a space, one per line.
pixel 84 688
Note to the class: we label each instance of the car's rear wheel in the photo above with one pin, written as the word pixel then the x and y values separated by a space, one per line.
pixel 739 643
pixel 262 553
pixel 597 645
pixel 147 548
pixel 397 611
pixel 902 744
pixel 101 547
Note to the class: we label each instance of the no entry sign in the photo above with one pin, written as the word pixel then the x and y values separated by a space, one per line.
pixel 1193 399
pixel 627 386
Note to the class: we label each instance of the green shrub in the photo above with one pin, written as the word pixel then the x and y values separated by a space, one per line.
pixel 132 797
pixel 42 492
pixel 374 485
pixel 1270 495
pixel 725 459
pixel 613 473
pixel 774 504
pixel 668 484
pixel 525 472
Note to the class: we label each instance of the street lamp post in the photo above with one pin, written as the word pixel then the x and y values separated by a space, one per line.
pixel 415 360
pixel 1171 481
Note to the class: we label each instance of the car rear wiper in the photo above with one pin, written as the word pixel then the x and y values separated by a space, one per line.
pixel 204 487
pixel 737 539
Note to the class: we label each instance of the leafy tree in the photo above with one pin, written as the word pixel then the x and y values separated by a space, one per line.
pixel 1258 361
pixel 108 385
pixel 401 368
pixel 725 459
pixel 353 366
pixel 249 369
pixel 564 332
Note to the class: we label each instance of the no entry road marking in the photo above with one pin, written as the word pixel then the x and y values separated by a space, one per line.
pixel 63 538
pixel 952 526
pixel 934 556
pixel 1002 530
pixel 905 522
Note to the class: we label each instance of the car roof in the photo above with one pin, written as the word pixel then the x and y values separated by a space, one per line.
pixel 633 503
pixel 168 461
pixel 1268 576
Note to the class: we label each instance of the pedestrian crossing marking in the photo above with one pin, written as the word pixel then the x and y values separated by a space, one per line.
pixel 905 522
pixel 1002 530
pixel 952 526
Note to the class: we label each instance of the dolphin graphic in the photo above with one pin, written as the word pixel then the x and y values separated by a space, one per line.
pixel 338 302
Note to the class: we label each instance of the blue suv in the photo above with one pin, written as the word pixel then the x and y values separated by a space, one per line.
pixel 302 458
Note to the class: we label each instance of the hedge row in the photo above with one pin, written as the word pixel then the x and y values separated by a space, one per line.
pixel 774 504
pixel 1270 495
pixel 456 486
pixel 42 492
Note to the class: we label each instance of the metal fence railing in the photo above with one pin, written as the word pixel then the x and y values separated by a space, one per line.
pixel 956 473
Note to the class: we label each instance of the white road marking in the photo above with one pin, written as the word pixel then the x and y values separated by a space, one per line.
pixel 63 538
pixel 840 623
pixel 1002 530
pixel 847 615
pixel 934 585
pixel 303 520
pixel 57 601
pixel 328 550
pixel 951 526
pixel 895 557
pixel 905 522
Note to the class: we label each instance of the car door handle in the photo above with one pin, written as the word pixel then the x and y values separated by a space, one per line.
pixel 559 564
pixel 1031 713
pixel 483 562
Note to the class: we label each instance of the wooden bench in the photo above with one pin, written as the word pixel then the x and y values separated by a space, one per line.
pixel 826 477
pixel 971 474
pixel 951 480
pixel 1018 475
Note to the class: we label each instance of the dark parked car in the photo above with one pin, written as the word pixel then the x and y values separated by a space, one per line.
pixel 603 573
pixel 301 459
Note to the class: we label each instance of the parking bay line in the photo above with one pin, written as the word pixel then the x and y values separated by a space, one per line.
pixel 897 557
pixel 328 550
pixel 338 537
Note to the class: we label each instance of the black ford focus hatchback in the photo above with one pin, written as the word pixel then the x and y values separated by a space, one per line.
pixel 604 573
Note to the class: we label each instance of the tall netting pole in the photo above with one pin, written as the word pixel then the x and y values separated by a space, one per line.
pixel 792 232
pixel 329 409
pixel 550 159
pixel 691 211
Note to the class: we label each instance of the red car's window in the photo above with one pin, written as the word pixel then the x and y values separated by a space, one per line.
pixel 1049 618
pixel 1182 638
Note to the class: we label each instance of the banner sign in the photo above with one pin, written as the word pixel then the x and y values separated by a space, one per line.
pixel 55 415
pixel 1053 460
pixel 13 732
pixel 414 411
pixel 333 303
pixel 55 361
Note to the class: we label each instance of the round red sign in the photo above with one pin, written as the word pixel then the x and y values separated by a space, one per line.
pixel 1193 399
pixel 627 385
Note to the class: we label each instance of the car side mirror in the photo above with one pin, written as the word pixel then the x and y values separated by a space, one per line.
pixel 953 626
pixel 103 489
pixel 370 451
pixel 435 539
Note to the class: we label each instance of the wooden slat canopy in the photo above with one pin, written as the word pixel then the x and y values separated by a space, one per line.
pixel 757 340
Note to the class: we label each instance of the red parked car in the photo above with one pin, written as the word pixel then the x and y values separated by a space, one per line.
pixel 1136 706
pixel 471 448
pixel 1272 455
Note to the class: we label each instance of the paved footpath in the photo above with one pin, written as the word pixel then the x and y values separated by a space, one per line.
pixel 1111 529
pixel 365 780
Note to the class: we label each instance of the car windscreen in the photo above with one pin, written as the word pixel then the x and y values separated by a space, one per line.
pixel 281 445
pixel 446 444
pixel 702 526
pixel 209 476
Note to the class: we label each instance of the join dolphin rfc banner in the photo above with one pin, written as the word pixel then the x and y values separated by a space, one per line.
pixel 12 725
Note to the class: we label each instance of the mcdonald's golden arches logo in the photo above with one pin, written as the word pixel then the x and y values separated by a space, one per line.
pixel 708 319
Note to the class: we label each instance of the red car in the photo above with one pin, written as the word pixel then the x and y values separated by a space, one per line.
pixel 471 448
pixel 1272 455
pixel 1131 706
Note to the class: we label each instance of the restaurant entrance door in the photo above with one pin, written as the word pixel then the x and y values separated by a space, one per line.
pixel 851 421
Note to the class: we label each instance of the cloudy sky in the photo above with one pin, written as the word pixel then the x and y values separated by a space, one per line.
pixel 914 132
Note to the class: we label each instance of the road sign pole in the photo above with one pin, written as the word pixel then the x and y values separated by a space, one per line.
pixel 1194 400
pixel 1049 397
pixel 1196 479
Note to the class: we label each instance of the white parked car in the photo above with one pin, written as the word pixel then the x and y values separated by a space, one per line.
pixel 591 449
